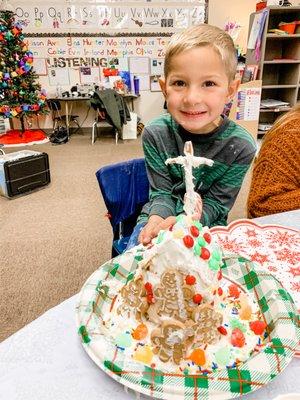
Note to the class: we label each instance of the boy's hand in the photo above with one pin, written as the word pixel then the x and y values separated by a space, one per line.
pixel 152 228
pixel 156 223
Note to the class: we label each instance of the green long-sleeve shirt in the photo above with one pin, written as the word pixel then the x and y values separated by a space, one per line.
pixel 231 148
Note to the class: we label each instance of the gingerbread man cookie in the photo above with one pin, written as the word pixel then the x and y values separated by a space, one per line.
pixel 206 321
pixel 170 341
pixel 171 297
pixel 134 295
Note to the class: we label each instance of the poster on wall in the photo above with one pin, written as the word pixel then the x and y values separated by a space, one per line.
pixel 157 66
pixel 248 104
pixel 89 75
pixel 58 76
pixel 39 66
pixel 154 84
pixel 139 65
pixel 111 16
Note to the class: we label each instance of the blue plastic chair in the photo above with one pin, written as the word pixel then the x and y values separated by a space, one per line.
pixel 125 189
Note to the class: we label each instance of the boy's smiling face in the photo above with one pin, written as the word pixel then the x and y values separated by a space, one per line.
pixel 197 88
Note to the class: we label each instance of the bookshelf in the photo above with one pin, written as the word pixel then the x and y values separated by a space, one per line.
pixel 279 64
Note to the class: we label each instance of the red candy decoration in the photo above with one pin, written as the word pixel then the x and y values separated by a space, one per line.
pixel 194 231
pixel 237 338
pixel 150 298
pixel 207 237
pixel 205 253
pixel 188 241
pixel 149 290
pixel 222 330
pixel 190 280
pixel 234 291
pixel 258 327
pixel 220 291
pixel 148 287
pixel 219 276
pixel 197 298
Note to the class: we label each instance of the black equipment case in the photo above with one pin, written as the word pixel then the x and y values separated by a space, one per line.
pixel 22 172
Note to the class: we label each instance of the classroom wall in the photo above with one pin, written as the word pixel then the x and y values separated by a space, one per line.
pixel 150 104
pixel 221 12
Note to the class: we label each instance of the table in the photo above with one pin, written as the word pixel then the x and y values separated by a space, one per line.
pixel 289 218
pixel 69 101
pixel 45 360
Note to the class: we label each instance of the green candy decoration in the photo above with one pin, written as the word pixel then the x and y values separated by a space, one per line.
pixel 160 237
pixel 197 249
pixel 201 241
pixel 84 335
pixel 216 255
pixel 223 356
pixel 235 323
pixel 213 264
pixel 179 217
pixel 124 340
pixel 198 225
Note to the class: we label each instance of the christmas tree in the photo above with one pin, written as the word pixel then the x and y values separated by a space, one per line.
pixel 20 94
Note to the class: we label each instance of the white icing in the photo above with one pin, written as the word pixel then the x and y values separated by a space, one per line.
pixel 170 253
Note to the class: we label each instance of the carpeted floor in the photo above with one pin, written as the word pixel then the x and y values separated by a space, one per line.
pixel 51 240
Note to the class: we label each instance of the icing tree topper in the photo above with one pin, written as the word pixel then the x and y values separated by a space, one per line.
pixel 188 161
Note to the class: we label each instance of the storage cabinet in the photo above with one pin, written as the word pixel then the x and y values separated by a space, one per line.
pixel 279 64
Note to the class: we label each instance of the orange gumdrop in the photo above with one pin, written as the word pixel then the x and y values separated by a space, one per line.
pixel 245 312
pixel 198 357
pixel 140 332
pixel 234 291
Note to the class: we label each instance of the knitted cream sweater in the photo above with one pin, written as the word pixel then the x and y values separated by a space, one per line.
pixel 275 183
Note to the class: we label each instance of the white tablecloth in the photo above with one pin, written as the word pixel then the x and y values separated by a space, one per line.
pixel 45 360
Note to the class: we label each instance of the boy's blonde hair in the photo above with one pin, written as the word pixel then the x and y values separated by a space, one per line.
pixel 200 36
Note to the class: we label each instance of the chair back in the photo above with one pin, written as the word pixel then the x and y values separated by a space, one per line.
pixel 55 107
pixel 125 189
pixel 54 104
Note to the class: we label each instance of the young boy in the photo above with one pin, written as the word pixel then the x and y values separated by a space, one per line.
pixel 199 79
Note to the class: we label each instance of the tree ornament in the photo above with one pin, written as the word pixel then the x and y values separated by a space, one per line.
pixel 19 91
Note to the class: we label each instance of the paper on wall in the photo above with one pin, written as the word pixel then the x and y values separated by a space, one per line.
pixel 248 104
pixel 254 31
pixel 157 66
pixel 144 82
pixel 139 65
pixel 89 75
pixel 58 76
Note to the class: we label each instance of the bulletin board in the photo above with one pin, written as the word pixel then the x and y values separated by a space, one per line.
pixel 83 38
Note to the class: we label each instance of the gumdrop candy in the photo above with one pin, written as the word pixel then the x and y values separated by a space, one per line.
pixel 124 340
pixel 234 291
pixel 258 327
pixel 143 354
pixel 223 356
pixel 140 332
pixel 198 357
pixel 237 338
pixel 245 312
